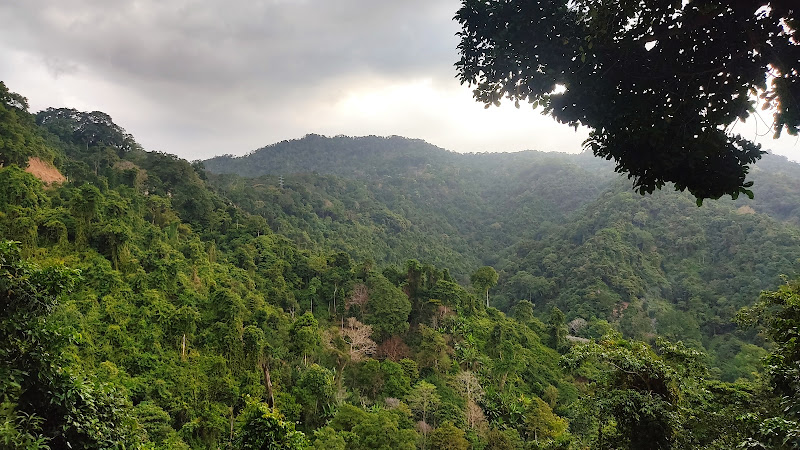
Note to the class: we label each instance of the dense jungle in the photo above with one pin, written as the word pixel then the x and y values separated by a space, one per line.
pixel 381 292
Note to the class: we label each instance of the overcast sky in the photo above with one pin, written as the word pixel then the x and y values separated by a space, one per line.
pixel 200 78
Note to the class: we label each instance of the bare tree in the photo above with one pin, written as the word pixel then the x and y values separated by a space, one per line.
pixel 394 349
pixel 467 384
pixel 360 297
pixel 358 336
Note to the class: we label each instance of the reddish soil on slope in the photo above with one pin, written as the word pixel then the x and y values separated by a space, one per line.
pixel 44 171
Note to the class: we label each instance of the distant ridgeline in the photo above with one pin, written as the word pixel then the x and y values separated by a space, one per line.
pixel 336 298
pixel 342 155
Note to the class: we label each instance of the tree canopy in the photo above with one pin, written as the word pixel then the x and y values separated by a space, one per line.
pixel 146 303
pixel 660 83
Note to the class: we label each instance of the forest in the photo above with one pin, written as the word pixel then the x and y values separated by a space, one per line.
pixel 383 293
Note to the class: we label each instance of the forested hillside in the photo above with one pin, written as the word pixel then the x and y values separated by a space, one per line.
pixel 561 230
pixel 339 299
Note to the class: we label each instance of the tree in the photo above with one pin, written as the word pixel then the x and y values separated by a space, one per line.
pixel 468 386
pixel 503 440
pixel 341 270
pixel 42 398
pixel 636 389
pixel 452 294
pixel 540 421
pixel 18 139
pixel 388 307
pixel 523 311
pixel 779 312
pixel 393 348
pixel 369 430
pixel 448 437
pixel 530 287
pixel 483 279
pixel 433 350
pixel 304 334
pixel 327 438
pixel 423 399
pixel 660 83
pixel 19 188
pixel 556 329
pixel 261 428
pixel 640 397
pixel 258 353
pixel 85 203
pixel 359 298
pixel 12 99
pixel 314 390
pixel 396 383
pixel 358 336
pixel 92 129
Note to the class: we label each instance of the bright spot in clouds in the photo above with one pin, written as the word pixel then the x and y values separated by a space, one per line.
pixel 421 108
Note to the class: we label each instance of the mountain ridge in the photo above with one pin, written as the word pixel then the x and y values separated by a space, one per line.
pixel 210 307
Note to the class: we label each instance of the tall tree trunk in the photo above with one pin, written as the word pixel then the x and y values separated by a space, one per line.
pixel 230 443
pixel 268 383
pixel 335 288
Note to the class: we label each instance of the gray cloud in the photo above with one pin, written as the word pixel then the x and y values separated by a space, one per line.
pixel 205 77
pixel 194 76
pixel 225 43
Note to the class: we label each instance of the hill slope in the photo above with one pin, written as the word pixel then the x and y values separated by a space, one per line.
pixel 145 306
pixel 561 230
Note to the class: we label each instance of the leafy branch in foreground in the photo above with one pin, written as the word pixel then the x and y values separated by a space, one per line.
pixel 659 83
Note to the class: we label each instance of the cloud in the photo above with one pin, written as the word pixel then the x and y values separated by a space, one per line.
pixel 224 63
pixel 205 77
pixel 218 43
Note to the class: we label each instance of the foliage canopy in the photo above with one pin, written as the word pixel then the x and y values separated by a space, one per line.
pixel 660 83
pixel 224 315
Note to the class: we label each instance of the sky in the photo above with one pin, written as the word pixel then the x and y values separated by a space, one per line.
pixel 199 78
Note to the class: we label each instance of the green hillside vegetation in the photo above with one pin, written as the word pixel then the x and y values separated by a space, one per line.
pixel 150 304
pixel 443 209
pixel 561 230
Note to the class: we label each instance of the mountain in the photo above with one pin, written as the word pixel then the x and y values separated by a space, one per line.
pixel 561 230
pixel 342 155
pixel 149 303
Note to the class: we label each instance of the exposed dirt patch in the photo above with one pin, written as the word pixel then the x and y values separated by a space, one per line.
pixel 44 171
